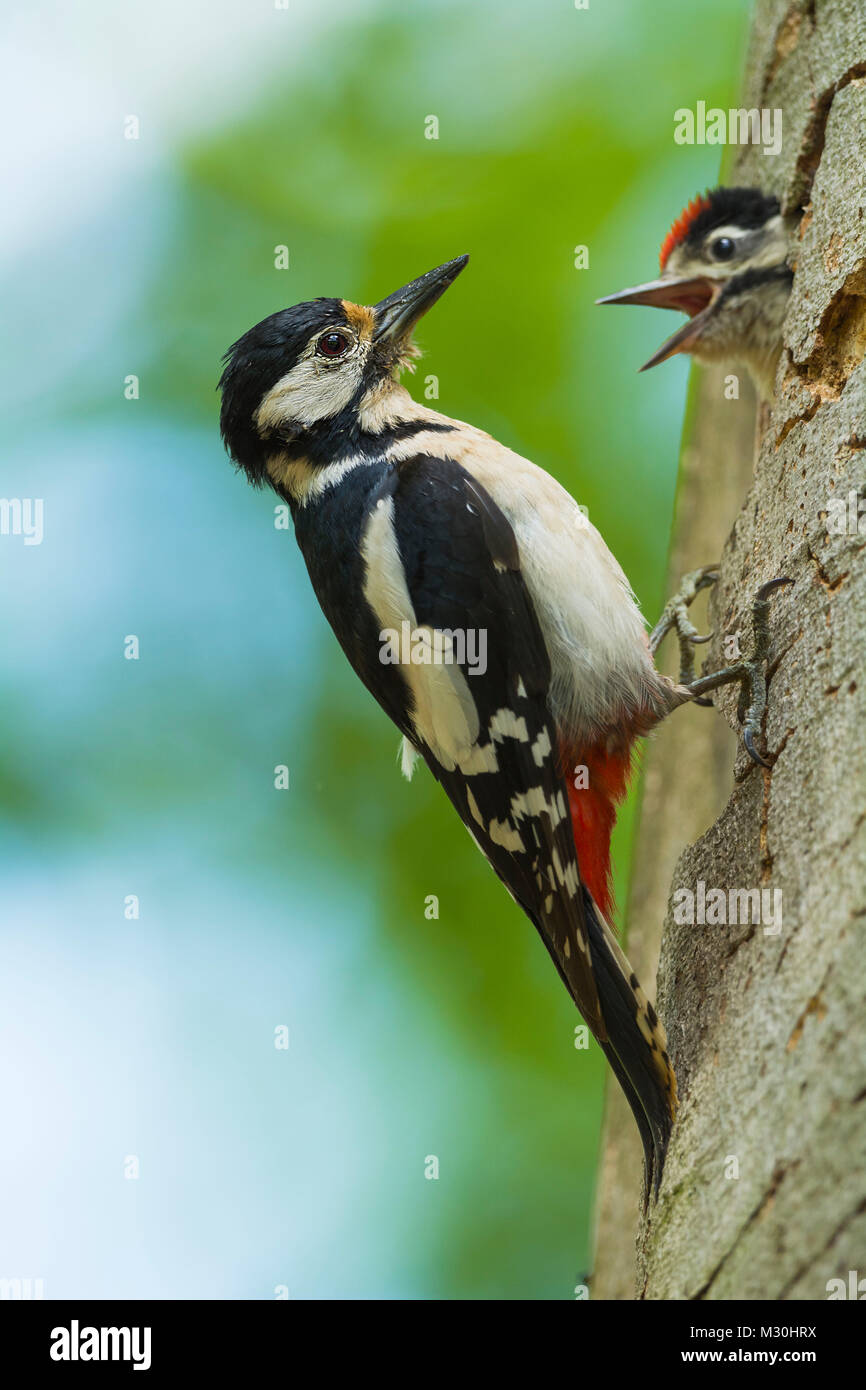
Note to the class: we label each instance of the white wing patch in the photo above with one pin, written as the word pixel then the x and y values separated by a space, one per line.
pixel 533 802
pixel 541 747
pixel 502 833
pixel 443 710
pixel 567 876
pixel 480 758
pixel 506 724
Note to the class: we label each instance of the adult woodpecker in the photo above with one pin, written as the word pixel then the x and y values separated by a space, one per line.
pixel 409 520
pixel 724 263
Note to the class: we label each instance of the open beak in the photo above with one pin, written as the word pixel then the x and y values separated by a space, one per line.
pixel 693 295
pixel 397 315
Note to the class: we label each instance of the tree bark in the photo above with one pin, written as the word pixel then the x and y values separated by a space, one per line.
pixel 764 1194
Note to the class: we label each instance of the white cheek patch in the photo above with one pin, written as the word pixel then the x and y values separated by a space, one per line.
pixel 311 391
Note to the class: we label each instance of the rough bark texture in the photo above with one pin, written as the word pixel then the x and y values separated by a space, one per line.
pixel 764 1194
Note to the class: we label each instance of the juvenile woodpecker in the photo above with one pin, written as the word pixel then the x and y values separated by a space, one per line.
pixel 724 263
pixel 413 522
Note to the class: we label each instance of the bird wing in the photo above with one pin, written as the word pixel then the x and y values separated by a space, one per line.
pixel 442 557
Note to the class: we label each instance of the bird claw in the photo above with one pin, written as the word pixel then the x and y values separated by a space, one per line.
pixel 750 673
pixel 675 615
pixel 749 742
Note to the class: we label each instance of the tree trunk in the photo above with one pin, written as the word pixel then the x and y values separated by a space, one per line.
pixel 764 1194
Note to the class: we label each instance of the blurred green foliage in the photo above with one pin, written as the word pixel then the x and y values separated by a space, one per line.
pixel 555 130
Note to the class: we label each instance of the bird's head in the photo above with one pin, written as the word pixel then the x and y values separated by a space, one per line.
pixel 724 263
pixel 306 378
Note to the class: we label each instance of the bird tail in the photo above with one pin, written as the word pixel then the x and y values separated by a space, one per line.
pixel 635 1046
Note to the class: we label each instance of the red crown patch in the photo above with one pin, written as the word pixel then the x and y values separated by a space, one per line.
pixel 681 226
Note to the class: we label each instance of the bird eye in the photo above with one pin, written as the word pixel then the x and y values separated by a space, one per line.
pixel 332 344
pixel 722 249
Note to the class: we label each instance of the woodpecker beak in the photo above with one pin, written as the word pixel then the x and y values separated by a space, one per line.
pixel 397 315
pixel 694 295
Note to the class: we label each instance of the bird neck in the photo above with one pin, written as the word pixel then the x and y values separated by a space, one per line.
pixel 363 433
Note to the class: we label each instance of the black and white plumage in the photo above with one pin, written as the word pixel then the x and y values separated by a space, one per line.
pixel 408 518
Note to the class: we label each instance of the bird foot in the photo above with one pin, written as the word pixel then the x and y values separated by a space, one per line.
pixel 676 615
pixel 749 672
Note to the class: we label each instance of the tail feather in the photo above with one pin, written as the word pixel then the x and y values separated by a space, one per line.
pixel 636 1046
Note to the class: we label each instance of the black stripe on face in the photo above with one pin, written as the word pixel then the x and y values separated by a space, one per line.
pixel 341 436
pixel 749 280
